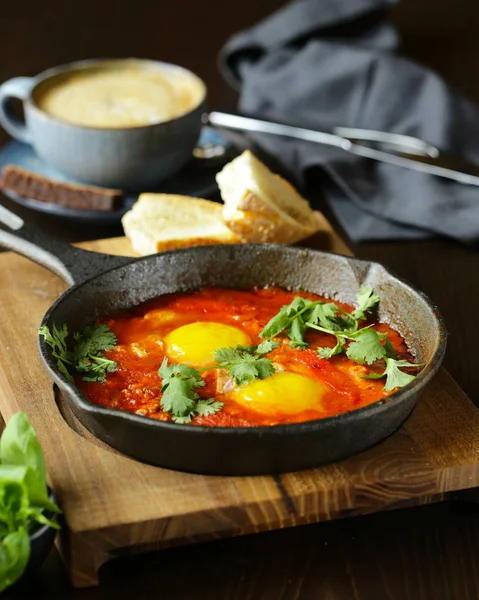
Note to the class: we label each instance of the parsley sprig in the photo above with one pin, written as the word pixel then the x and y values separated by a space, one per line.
pixel 86 357
pixel 362 345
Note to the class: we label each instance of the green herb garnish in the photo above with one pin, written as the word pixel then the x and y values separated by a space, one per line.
pixel 180 397
pixel 394 376
pixel 87 354
pixel 362 345
pixel 57 340
pixel 23 496
pixel 288 320
pixel 246 363
pixel 367 301
pixel 181 382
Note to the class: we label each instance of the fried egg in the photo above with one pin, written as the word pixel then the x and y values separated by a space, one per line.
pixel 285 392
pixel 196 343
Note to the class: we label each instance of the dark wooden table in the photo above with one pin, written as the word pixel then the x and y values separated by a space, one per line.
pixel 413 554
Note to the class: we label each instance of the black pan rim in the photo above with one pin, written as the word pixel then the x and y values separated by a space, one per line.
pixel 290 429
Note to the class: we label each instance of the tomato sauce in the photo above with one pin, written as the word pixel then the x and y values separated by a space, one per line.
pixel 136 386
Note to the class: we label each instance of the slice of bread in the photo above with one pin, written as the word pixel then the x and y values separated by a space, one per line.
pixel 260 206
pixel 28 184
pixel 159 222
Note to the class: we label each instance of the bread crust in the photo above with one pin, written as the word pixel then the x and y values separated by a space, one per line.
pixel 258 223
pixel 76 196
pixel 174 244
pixel 159 222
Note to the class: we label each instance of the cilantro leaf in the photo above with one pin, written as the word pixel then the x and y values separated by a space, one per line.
pixel 264 367
pixel 93 339
pixel 57 342
pixel 388 347
pixel 57 339
pixel 373 375
pixel 251 369
pixel 246 363
pixel 265 347
pixel 243 372
pixel 208 407
pixel 86 356
pixel 180 397
pixel 296 317
pixel 64 370
pixel 326 316
pixel 367 301
pixel 285 317
pixel 329 352
pixel 298 304
pixel 96 368
pixel 227 355
pixel 394 377
pixel 366 347
pixel 183 371
pixel 296 334
pixel 362 345
pixel 277 324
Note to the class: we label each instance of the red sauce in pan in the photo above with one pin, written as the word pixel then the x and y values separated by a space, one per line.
pixel 136 386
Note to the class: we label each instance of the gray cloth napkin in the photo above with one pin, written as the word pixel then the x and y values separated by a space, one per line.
pixel 327 63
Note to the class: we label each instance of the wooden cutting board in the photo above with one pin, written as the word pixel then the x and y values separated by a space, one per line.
pixel 114 505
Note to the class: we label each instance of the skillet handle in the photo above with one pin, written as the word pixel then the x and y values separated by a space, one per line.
pixel 73 265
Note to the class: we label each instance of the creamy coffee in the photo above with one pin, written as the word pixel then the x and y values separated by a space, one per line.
pixel 121 95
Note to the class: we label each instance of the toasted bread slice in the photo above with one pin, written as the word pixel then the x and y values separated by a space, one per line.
pixel 165 221
pixel 28 184
pixel 262 207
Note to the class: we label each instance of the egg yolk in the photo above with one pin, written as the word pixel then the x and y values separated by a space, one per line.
pixel 196 343
pixel 282 392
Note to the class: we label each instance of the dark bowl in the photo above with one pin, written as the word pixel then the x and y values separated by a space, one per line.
pixel 41 542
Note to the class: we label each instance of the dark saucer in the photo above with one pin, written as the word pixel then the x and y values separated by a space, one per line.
pixel 196 179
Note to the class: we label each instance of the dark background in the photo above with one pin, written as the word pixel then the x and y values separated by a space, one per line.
pixel 428 553
pixel 37 34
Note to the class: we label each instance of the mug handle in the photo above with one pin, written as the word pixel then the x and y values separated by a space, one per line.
pixel 19 88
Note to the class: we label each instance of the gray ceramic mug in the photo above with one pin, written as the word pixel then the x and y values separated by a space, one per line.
pixel 135 158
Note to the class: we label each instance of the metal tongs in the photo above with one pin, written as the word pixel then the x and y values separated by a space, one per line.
pixel 393 148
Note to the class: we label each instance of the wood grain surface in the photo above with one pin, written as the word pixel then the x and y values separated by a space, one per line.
pixel 115 505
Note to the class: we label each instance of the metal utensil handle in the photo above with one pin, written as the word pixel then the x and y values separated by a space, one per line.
pixel 248 124
pixel 397 141
pixel 404 151
pixel 343 137
pixel 73 265
pixel 414 164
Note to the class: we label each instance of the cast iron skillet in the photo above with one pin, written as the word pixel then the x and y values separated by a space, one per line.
pixel 102 285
